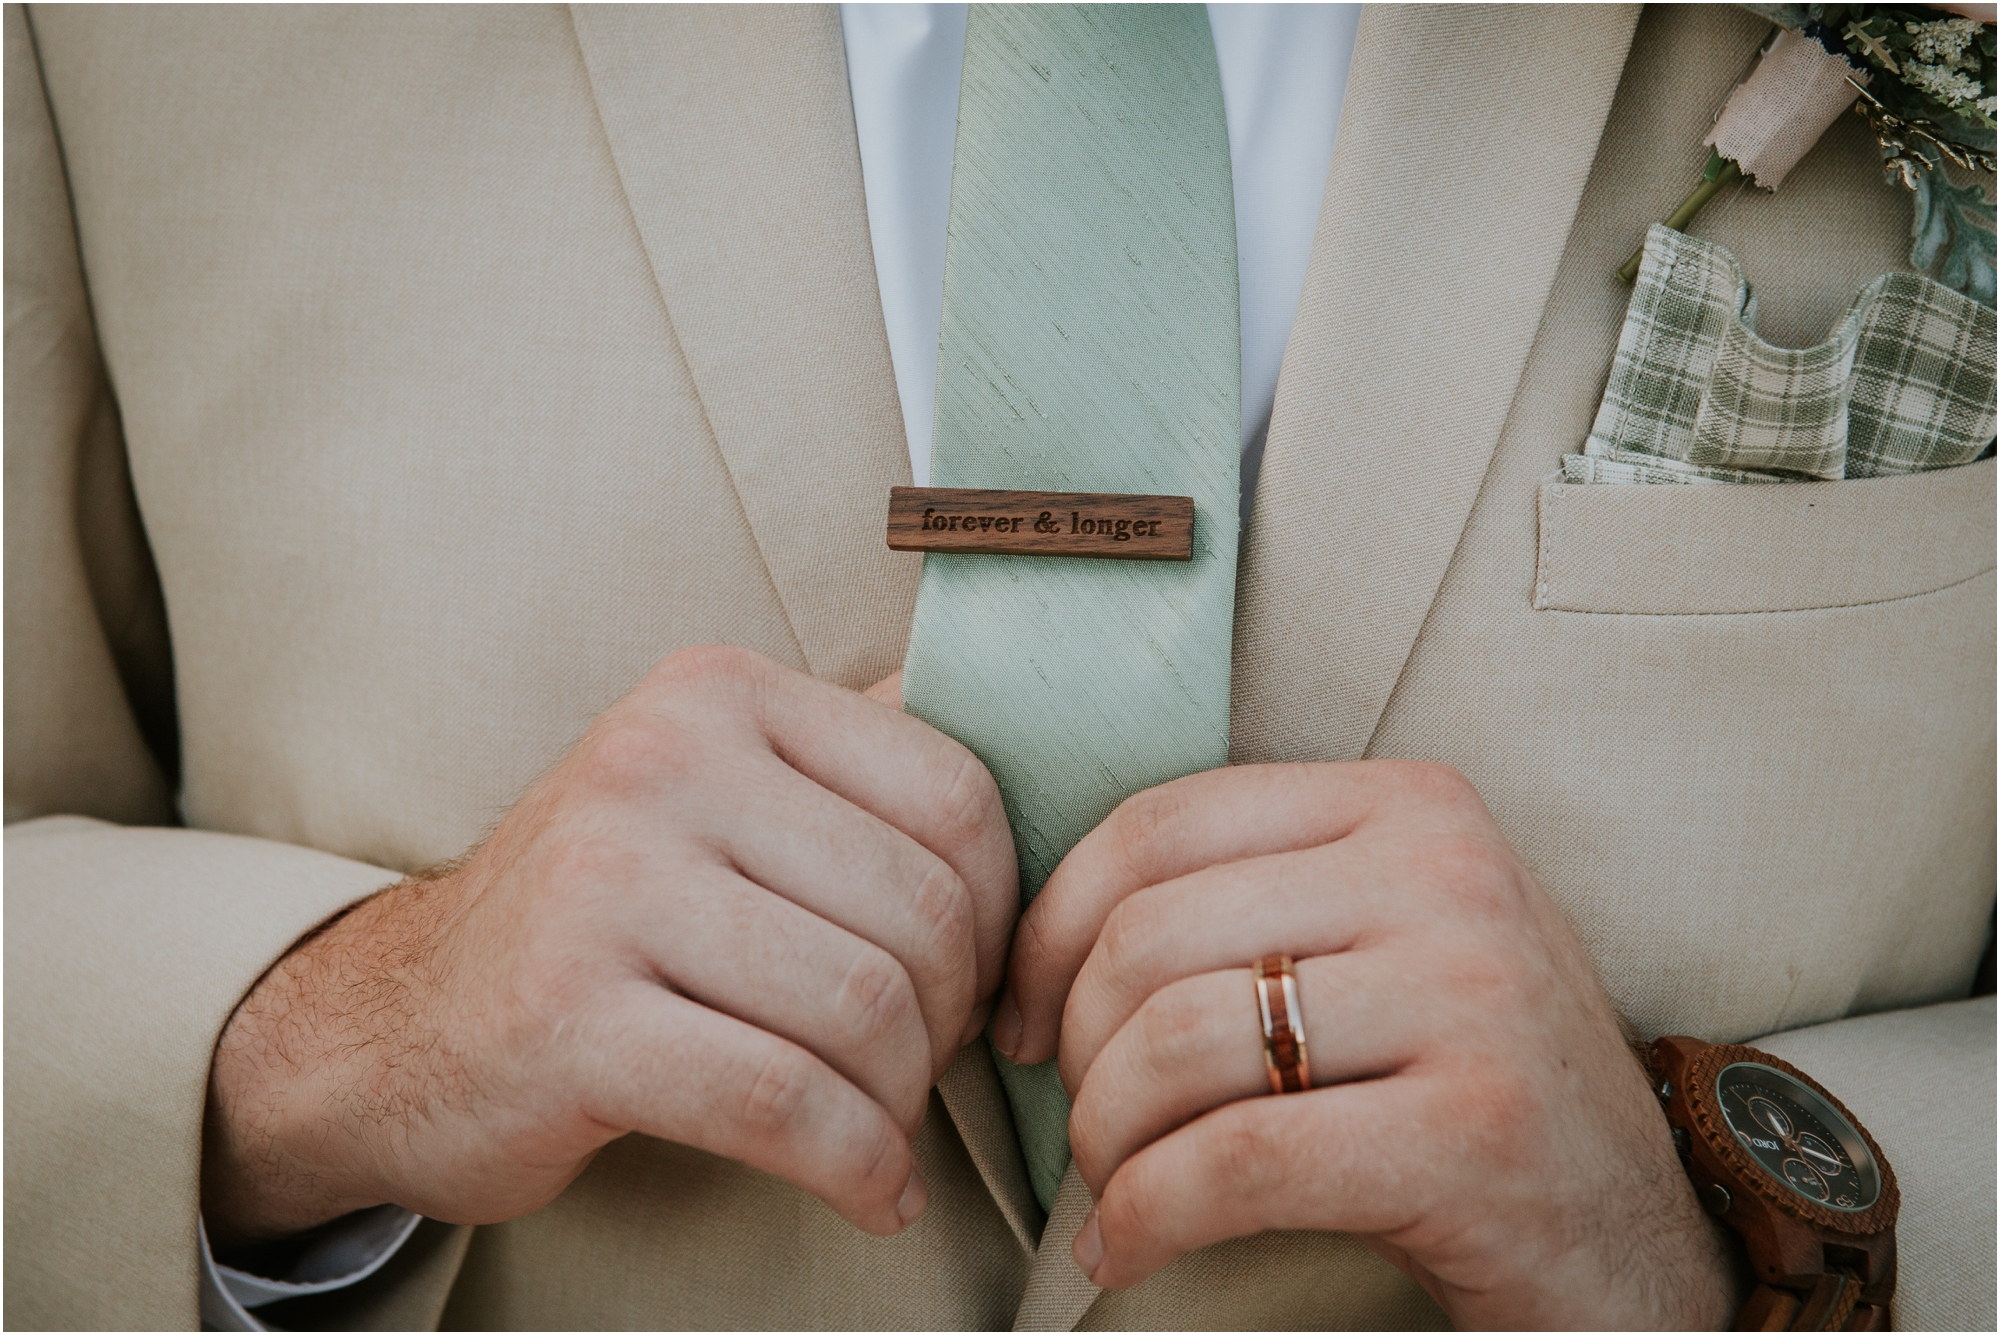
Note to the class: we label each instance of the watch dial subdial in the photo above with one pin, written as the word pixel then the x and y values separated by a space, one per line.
pixel 1819 1154
pixel 1771 1117
pixel 1805 1179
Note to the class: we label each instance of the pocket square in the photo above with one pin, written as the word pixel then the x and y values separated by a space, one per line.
pixel 1904 382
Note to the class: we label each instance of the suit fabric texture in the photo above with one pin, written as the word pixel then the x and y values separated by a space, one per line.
pixel 389 387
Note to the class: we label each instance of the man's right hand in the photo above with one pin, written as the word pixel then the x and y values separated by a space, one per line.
pixel 750 912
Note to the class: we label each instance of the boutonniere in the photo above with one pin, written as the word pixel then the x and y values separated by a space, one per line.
pixel 1922 77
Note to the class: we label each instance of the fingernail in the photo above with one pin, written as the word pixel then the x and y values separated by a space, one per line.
pixel 1089 1247
pixel 1007 1026
pixel 914 1197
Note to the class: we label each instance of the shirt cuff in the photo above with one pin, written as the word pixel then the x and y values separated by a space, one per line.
pixel 344 1252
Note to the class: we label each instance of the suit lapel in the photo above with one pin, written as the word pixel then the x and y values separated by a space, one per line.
pixel 1058 1294
pixel 733 133
pixel 1465 139
pixel 978 1106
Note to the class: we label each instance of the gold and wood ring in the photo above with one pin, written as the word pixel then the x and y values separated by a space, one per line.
pixel 1284 1025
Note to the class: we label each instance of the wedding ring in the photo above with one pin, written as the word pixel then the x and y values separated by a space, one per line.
pixel 1284 1025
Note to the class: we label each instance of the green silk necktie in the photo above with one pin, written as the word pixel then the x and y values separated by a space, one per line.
pixel 1089 344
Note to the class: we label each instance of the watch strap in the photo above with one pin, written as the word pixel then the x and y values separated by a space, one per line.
pixel 1833 1303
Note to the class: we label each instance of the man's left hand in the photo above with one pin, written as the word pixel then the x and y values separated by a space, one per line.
pixel 1476 1117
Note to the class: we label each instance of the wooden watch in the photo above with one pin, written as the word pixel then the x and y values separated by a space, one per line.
pixel 1780 1160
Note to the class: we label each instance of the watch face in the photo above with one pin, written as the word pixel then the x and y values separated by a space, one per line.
pixel 1797 1137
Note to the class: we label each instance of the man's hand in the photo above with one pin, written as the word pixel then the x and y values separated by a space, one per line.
pixel 751 912
pixel 1477 1115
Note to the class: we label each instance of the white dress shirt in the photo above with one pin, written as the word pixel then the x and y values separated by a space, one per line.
pixel 1284 71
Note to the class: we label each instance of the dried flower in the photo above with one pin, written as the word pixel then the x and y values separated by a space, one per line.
pixel 1943 66
pixel 1944 42
pixel 1953 88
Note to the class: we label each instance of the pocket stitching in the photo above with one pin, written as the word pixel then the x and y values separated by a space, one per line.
pixel 1545 545
pixel 1981 573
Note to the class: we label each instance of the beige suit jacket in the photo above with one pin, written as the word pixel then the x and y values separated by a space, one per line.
pixel 387 388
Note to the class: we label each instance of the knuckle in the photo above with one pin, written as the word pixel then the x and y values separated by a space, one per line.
pixel 1035 946
pixel 777 1096
pixel 942 907
pixel 883 1164
pixel 1174 1029
pixel 1129 939
pixel 1094 1141
pixel 1085 1139
pixel 915 1104
pixel 1147 822
pixel 704 663
pixel 967 803
pixel 876 998
pixel 1431 782
pixel 710 671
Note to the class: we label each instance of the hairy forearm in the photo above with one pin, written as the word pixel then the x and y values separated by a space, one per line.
pixel 1691 1277
pixel 320 1048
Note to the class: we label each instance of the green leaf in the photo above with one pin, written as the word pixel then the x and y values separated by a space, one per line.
pixel 1957 220
pixel 1969 269
pixel 1930 222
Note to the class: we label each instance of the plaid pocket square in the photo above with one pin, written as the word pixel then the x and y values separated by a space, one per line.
pixel 1903 383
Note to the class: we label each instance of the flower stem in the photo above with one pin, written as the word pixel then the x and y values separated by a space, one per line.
pixel 1682 216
